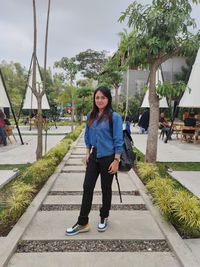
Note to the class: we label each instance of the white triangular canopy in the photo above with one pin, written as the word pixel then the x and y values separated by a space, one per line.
pixel 162 101
pixel 191 96
pixel 4 103
pixel 30 101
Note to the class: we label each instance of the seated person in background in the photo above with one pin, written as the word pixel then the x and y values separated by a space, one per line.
pixel 164 125
pixel 128 124
pixel 190 121
pixel 143 122
pixel 2 125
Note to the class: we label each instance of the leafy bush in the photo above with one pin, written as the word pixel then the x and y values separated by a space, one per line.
pixel 162 192
pixel 186 209
pixel 20 198
pixel 147 171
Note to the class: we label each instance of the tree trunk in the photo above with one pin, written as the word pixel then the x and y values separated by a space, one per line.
pixel 116 97
pixel 72 114
pixel 39 126
pixel 151 150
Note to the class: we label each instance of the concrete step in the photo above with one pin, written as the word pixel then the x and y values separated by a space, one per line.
pixel 74 182
pixel 99 259
pixel 96 200
pixel 51 225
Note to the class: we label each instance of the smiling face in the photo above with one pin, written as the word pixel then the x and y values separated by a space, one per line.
pixel 101 100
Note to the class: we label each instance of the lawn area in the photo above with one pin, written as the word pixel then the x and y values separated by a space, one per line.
pixel 13 166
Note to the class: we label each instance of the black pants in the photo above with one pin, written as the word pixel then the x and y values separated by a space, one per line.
pixel 94 168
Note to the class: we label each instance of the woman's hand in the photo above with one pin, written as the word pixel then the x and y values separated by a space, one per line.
pixel 87 156
pixel 114 166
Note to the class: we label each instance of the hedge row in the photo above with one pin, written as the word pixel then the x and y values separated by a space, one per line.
pixel 176 203
pixel 18 194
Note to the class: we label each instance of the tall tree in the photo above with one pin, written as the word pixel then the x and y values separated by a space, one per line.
pixel 41 89
pixel 91 63
pixel 112 76
pixel 160 31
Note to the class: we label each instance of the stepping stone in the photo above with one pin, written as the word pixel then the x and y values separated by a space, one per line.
pixel 96 200
pixel 71 168
pixel 74 161
pixel 51 225
pixel 74 182
pixel 98 259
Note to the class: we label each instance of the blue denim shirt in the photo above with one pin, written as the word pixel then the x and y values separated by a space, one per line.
pixel 99 136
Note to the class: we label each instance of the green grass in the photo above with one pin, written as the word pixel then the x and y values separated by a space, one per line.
pixel 13 166
pixel 175 166
pixel 182 166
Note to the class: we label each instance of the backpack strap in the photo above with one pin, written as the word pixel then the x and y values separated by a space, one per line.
pixel 111 122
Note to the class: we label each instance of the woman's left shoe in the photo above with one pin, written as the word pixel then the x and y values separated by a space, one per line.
pixel 103 225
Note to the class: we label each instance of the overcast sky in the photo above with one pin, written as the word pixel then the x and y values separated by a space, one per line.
pixel 75 25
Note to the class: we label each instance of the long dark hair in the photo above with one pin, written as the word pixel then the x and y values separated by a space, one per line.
pixel 108 109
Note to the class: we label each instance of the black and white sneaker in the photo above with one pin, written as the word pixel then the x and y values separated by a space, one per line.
pixel 103 225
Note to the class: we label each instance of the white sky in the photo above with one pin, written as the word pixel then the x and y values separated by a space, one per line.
pixel 75 25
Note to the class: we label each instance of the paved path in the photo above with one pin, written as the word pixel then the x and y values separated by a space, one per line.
pixel 132 239
pixel 173 151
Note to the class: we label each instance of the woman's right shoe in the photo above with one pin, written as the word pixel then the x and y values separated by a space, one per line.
pixel 103 225
pixel 77 228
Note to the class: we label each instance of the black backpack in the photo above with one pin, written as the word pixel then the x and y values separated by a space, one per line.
pixel 128 156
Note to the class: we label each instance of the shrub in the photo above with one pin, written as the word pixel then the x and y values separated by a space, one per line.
pixel 162 192
pixel 20 198
pixel 186 209
pixel 147 171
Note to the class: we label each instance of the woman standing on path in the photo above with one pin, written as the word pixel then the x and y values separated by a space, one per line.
pixel 102 157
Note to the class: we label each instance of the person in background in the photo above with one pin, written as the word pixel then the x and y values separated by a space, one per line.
pixel 143 122
pixel 164 125
pixel 128 124
pixel 2 125
pixel 103 151
pixel 191 120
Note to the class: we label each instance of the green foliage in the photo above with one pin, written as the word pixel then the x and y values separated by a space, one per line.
pixel 147 171
pixel 112 74
pixel 20 198
pixel 15 77
pixel 84 101
pixel 91 63
pixel 70 66
pixel 171 90
pixel 162 191
pixel 187 209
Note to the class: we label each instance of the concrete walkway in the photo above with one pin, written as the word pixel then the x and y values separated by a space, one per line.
pixel 16 153
pixel 132 239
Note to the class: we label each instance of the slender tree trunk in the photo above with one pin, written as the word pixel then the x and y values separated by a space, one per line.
pixel 34 89
pixel 45 73
pixel 116 97
pixel 151 150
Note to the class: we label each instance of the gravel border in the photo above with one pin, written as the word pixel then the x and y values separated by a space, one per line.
pixel 96 193
pixel 27 246
pixel 60 207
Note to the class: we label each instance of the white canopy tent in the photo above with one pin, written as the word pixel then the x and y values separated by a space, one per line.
pixel 30 101
pixel 191 98
pixel 4 102
pixel 162 101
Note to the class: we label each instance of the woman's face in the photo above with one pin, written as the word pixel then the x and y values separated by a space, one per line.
pixel 101 100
